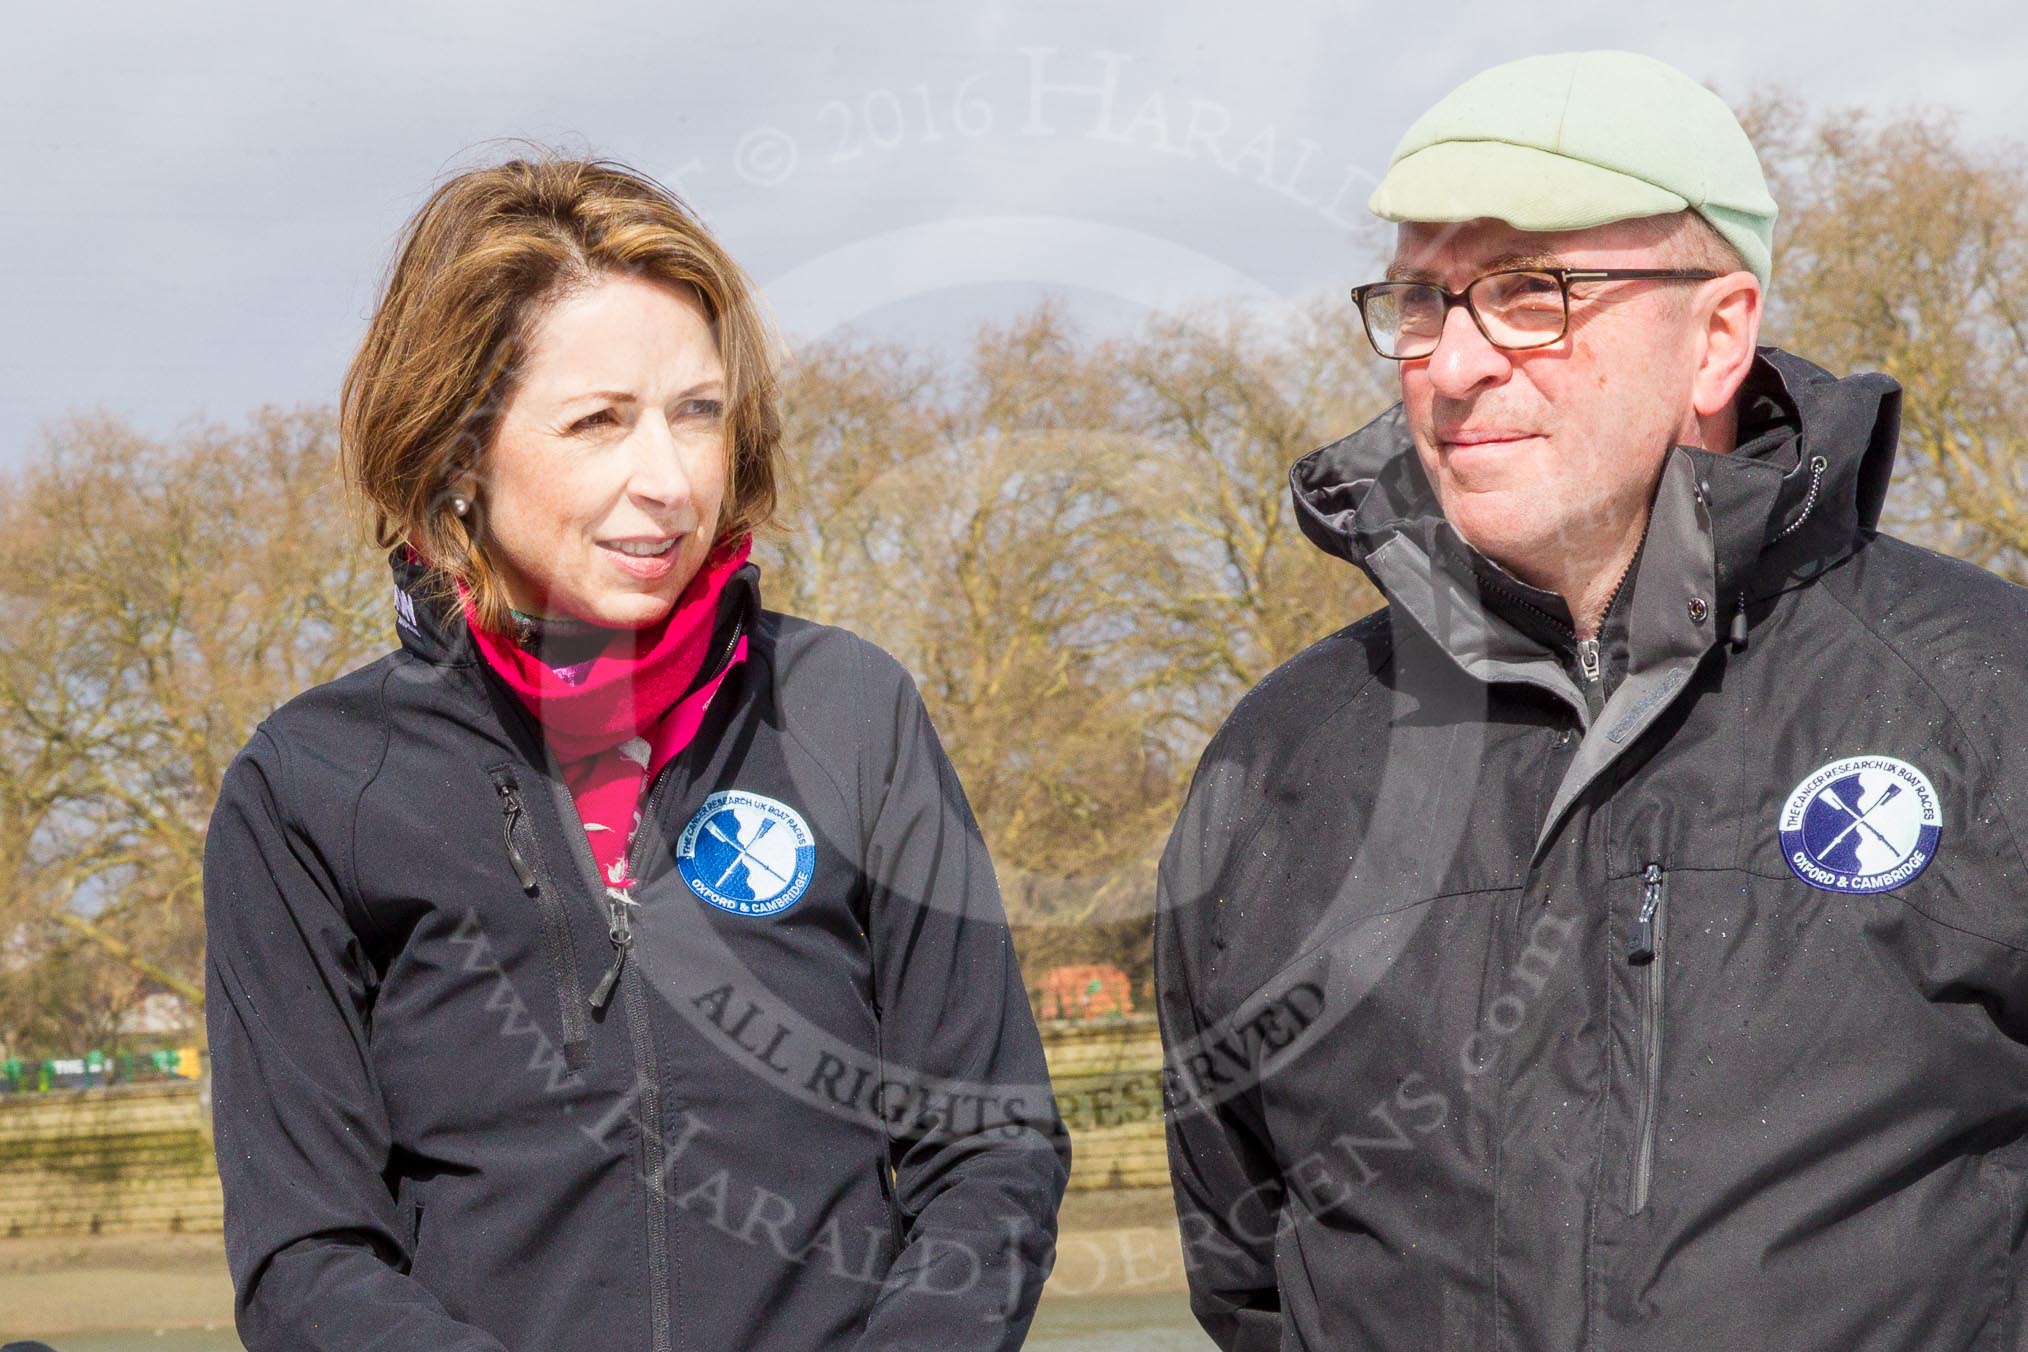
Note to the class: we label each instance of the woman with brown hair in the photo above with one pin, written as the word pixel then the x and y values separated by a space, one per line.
pixel 617 963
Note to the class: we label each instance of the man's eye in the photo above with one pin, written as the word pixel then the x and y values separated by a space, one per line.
pixel 1525 287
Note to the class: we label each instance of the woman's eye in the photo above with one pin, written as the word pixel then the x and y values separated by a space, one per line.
pixel 702 408
pixel 591 420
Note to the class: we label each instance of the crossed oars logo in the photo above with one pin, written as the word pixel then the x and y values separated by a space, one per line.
pixel 1887 795
pixel 744 853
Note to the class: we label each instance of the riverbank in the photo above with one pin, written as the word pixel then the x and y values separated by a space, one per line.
pixel 1111 1244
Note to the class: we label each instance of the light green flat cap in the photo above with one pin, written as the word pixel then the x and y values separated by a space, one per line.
pixel 1578 139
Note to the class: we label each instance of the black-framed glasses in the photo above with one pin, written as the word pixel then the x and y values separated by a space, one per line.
pixel 1516 308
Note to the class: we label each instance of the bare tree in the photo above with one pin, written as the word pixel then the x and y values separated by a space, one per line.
pixel 1083 547
pixel 159 600
pixel 1225 409
pixel 1903 249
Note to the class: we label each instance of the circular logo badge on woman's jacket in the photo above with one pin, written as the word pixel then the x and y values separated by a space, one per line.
pixel 1862 824
pixel 747 854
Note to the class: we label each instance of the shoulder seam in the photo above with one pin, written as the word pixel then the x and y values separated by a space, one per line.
pixel 792 725
pixel 1372 675
pixel 359 802
pixel 864 662
pixel 1895 895
pixel 351 902
pixel 1964 736
pixel 1348 634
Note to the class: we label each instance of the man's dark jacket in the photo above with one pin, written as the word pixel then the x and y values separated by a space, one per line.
pixel 821 1124
pixel 1679 1007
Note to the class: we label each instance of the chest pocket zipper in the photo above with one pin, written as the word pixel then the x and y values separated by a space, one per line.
pixel 415 1229
pixel 1645 950
pixel 521 854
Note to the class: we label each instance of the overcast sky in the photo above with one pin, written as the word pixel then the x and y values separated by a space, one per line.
pixel 199 199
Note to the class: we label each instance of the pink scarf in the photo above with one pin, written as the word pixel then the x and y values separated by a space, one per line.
pixel 615 720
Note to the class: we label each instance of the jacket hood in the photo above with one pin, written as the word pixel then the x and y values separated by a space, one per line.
pixel 1775 509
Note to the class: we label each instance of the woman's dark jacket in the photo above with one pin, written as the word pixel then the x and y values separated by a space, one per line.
pixel 811 1112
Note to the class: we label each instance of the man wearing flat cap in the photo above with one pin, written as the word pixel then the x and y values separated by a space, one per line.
pixel 1621 939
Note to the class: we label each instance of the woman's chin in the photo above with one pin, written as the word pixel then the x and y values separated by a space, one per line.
pixel 616 602
pixel 633 607
pixel 636 611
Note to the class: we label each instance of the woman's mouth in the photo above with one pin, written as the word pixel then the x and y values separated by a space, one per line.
pixel 642 549
pixel 645 559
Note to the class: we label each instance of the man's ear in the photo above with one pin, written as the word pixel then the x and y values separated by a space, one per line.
pixel 1731 309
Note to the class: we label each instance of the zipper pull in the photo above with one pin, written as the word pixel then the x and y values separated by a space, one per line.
pixel 622 934
pixel 510 808
pixel 1738 635
pixel 1587 659
pixel 603 992
pixel 1642 948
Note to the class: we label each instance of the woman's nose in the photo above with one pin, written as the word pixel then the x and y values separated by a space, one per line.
pixel 660 472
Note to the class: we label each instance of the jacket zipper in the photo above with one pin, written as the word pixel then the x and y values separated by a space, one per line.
pixel 1587 660
pixel 1493 584
pixel 652 1146
pixel 648 1103
pixel 521 849
pixel 634 997
pixel 618 928
pixel 1645 950
pixel 549 904
pixel 1589 664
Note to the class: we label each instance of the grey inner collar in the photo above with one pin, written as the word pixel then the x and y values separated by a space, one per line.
pixel 1477 639
pixel 1665 637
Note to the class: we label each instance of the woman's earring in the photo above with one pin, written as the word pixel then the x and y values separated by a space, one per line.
pixel 460 503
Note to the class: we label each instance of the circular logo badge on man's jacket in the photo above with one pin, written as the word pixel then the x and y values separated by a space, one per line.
pixel 747 854
pixel 1862 824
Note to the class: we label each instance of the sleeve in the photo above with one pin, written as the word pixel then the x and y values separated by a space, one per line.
pixel 317 1255
pixel 980 1154
pixel 1228 1189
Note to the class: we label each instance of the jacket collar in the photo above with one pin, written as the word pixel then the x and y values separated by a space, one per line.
pixel 431 625
pixel 1776 515
pixel 427 617
pixel 1798 494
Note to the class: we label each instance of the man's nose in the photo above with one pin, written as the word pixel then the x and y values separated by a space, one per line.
pixel 1463 360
